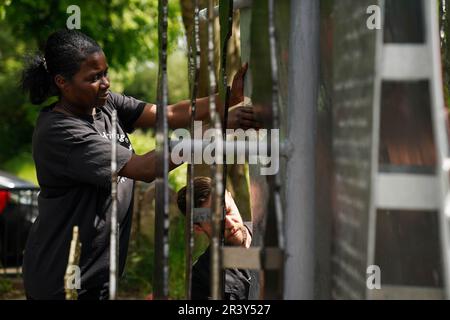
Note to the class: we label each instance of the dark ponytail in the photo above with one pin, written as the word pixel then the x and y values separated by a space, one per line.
pixel 36 80
pixel 65 50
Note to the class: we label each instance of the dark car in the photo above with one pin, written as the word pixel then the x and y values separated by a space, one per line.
pixel 18 210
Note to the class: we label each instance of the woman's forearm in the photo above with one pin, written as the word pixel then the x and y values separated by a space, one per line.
pixel 179 114
pixel 143 167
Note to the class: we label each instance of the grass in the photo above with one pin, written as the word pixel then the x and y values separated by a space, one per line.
pixel 5 286
pixel 139 271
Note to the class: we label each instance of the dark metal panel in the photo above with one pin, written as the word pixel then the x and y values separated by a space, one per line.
pixel 354 52
pixel 407 248
pixel 323 196
pixel 411 146
pixel 404 21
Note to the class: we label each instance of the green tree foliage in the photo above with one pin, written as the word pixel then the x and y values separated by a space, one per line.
pixel 145 77
pixel 125 29
pixel 16 115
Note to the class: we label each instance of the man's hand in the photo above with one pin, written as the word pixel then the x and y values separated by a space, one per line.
pixel 237 88
pixel 242 117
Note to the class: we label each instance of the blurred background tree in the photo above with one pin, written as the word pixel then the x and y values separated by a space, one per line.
pixel 126 30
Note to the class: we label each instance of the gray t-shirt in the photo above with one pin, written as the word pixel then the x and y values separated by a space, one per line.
pixel 73 166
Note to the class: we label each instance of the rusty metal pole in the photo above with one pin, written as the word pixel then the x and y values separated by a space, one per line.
pixel 216 167
pixel 275 120
pixel 161 271
pixel 189 226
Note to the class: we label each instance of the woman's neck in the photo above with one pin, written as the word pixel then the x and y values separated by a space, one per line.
pixel 63 106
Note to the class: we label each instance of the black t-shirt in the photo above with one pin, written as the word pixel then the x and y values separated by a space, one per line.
pixel 237 281
pixel 73 166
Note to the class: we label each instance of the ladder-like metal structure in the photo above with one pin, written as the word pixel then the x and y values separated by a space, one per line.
pixel 409 189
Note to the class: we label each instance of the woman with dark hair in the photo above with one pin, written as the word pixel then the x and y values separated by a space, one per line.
pixel 72 154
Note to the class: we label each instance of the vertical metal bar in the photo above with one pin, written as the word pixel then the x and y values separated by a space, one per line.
pixel 189 226
pixel 161 271
pixel 113 252
pixel 300 167
pixel 228 27
pixel 21 217
pixel 216 170
pixel 5 240
pixel 2 243
pixel 226 30
pixel 275 120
